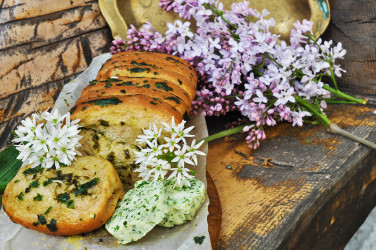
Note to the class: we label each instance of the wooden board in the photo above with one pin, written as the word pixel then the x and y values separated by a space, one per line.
pixel 353 23
pixel 43 45
pixel 302 189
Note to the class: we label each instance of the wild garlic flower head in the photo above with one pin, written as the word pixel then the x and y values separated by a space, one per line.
pixel 162 157
pixel 47 140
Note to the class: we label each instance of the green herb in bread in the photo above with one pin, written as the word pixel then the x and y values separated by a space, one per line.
pixel 141 209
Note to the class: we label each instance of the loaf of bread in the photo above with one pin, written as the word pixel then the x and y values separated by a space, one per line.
pixel 68 201
pixel 132 91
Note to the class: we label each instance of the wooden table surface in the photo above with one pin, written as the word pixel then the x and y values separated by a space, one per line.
pixel 303 188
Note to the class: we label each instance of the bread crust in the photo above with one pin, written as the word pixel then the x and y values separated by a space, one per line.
pixel 156 84
pixel 134 86
pixel 90 210
pixel 158 59
pixel 134 110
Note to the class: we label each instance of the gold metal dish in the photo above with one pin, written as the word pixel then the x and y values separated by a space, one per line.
pixel 121 13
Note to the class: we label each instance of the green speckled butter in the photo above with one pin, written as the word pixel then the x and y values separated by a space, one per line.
pixel 184 202
pixel 141 209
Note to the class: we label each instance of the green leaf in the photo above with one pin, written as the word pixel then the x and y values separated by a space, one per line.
pixel 9 166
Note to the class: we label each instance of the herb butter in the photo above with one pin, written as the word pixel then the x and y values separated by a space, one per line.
pixel 184 201
pixel 141 209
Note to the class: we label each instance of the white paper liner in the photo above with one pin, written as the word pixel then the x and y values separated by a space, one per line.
pixel 178 237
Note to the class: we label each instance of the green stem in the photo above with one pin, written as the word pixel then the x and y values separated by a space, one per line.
pixel 339 102
pixel 314 111
pixel 275 61
pixel 225 133
pixel 344 96
pixel 333 128
pixel 220 14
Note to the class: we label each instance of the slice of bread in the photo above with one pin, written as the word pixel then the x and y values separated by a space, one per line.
pixel 68 201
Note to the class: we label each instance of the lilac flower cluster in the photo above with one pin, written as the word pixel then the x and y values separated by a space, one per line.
pixel 242 65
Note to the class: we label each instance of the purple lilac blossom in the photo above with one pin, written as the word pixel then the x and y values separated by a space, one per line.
pixel 241 65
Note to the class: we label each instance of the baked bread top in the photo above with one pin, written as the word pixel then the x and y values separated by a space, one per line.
pixel 72 200
pixel 133 86
pixel 132 111
pixel 153 59
pixel 137 82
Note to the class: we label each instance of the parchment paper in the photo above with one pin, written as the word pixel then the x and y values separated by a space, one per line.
pixel 179 237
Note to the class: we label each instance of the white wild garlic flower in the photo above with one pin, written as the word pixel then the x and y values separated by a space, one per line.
pixel 47 140
pixel 161 157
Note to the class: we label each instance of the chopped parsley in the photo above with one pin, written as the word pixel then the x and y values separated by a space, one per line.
pixel 104 123
pixel 63 198
pixel 42 220
pixel 38 197
pixel 163 85
pixel 106 101
pixel 21 196
pixel 33 170
pixel 70 204
pixel 199 239
pixel 48 210
pixel 52 226
pixel 84 187
pixel 34 184
pixel 173 98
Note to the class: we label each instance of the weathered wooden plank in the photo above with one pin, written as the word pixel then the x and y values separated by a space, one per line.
pixel 17 107
pixel 26 68
pixel 31 100
pixel 11 10
pixel 51 28
pixel 353 23
pixel 332 224
pixel 31 68
pixel 273 197
pixel 39 96
pixel 281 190
pixel 98 42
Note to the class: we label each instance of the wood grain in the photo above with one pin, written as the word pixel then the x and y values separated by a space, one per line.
pixel 215 211
pixel 44 45
pixel 353 23
pixel 12 10
pixel 51 28
pixel 297 188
